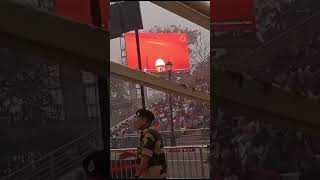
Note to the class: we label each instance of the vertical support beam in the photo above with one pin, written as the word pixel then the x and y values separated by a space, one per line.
pixel 173 139
pixel 140 68
pixel 103 89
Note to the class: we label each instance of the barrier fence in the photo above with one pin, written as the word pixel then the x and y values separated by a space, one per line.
pixel 179 133
pixel 183 138
pixel 184 162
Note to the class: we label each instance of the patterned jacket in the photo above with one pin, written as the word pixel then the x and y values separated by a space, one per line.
pixel 151 145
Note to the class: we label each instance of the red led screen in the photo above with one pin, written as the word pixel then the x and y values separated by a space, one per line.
pixel 228 15
pixel 171 47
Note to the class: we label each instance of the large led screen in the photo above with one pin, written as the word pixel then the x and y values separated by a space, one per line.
pixel 157 49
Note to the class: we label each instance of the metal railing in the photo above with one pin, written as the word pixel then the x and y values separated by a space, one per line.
pixel 58 162
pixel 115 119
pixel 119 106
pixel 184 162
pixel 199 131
pixel 183 138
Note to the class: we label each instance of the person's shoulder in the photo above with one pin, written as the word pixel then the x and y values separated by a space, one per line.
pixel 151 132
pixel 148 135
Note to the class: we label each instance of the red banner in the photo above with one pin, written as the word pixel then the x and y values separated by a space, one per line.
pixel 183 150
pixel 124 167
pixel 79 10
pixel 158 48
pixel 229 15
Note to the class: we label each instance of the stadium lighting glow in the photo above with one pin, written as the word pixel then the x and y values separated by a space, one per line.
pixel 160 62
pixel 160 65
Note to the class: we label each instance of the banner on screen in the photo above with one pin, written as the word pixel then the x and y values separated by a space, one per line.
pixel 79 10
pixel 158 48
pixel 233 15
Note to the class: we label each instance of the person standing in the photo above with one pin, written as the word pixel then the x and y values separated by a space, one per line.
pixel 150 154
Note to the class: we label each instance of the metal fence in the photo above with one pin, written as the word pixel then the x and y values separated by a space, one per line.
pixel 125 115
pixel 184 162
pixel 183 138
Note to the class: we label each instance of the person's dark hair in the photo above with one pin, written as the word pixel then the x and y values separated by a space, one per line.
pixel 145 114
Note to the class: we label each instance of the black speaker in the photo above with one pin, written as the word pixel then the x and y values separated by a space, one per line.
pixel 124 17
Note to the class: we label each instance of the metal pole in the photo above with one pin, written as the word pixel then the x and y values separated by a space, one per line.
pixel 173 139
pixel 140 67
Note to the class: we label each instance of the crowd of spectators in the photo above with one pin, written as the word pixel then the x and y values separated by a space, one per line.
pixel 251 149
pixel 200 78
pixel 186 114
pixel 202 84
pixel 19 161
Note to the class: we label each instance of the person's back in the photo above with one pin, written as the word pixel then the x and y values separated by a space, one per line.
pixel 150 155
pixel 151 144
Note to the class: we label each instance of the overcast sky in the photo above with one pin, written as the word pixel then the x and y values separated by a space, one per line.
pixel 154 15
